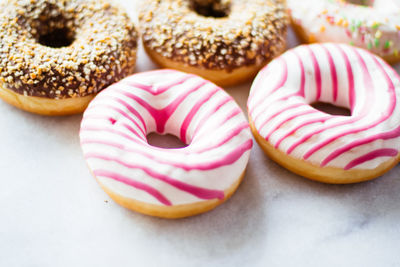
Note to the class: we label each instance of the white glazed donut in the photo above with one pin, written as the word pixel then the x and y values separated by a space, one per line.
pixel 317 145
pixel 168 183
pixel 369 24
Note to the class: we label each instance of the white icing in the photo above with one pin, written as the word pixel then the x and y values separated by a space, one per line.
pixel 263 104
pixel 95 138
pixel 374 27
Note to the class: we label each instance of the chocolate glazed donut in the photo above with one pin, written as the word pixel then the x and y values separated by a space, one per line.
pixel 55 55
pixel 225 41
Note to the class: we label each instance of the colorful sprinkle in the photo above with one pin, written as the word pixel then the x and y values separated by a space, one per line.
pixel 375 25
pixel 330 19
pixel 377 42
pixel 388 44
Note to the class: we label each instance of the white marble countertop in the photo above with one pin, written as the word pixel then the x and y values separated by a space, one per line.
pixel 53 213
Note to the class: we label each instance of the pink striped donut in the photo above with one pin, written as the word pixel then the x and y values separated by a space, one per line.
pixel 168 183
pixel 320 146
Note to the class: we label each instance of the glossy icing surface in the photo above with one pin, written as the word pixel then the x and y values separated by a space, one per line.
pixel 342 75
pixel 115 126
pixel 373 25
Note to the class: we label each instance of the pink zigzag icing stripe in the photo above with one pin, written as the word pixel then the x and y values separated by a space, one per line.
pixel 317 71
pixel 281 83
pixel 159 89
pixel 202 193
pixel 300 92
pixel 125 115
pixel 211 112
pixel 304 124
pixel 232 114
pixel 161 116
pixel 372 155
pixel 333 74
pixel 277 113
pixel 299 114
pixel 193 112
pixel 138 185
pixel 223 161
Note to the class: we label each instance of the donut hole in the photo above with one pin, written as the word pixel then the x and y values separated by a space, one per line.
pixel 165 141
pixel 57 38
pixel 331 109
pixel 361 2
pixel 54 27
pixel 211 8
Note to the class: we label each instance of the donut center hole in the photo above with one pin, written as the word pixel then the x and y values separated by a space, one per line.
pixel 164 141
pixel 331 109
pixel 57 38
pixel 53 27
pixel 212 8
pixel 361 2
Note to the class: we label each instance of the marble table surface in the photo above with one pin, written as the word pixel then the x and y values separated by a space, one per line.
pixel 53 213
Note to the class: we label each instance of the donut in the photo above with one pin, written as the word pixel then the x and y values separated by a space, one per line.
pixel 368 24
pixel 321 146
pixel 56 55
pixel 168 183
pixel 224 41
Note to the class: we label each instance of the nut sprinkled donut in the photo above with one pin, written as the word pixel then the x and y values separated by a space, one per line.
pixel 317 145
pixel 55 55
pixel 170 183
pixel 369 24
pixel 225 41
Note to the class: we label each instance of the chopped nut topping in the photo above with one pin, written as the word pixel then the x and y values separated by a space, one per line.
pixel 100 39
pixel 252 32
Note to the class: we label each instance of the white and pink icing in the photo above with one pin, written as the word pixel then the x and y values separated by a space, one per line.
pixel 369 24
pixel 280 98
pixel 115 126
